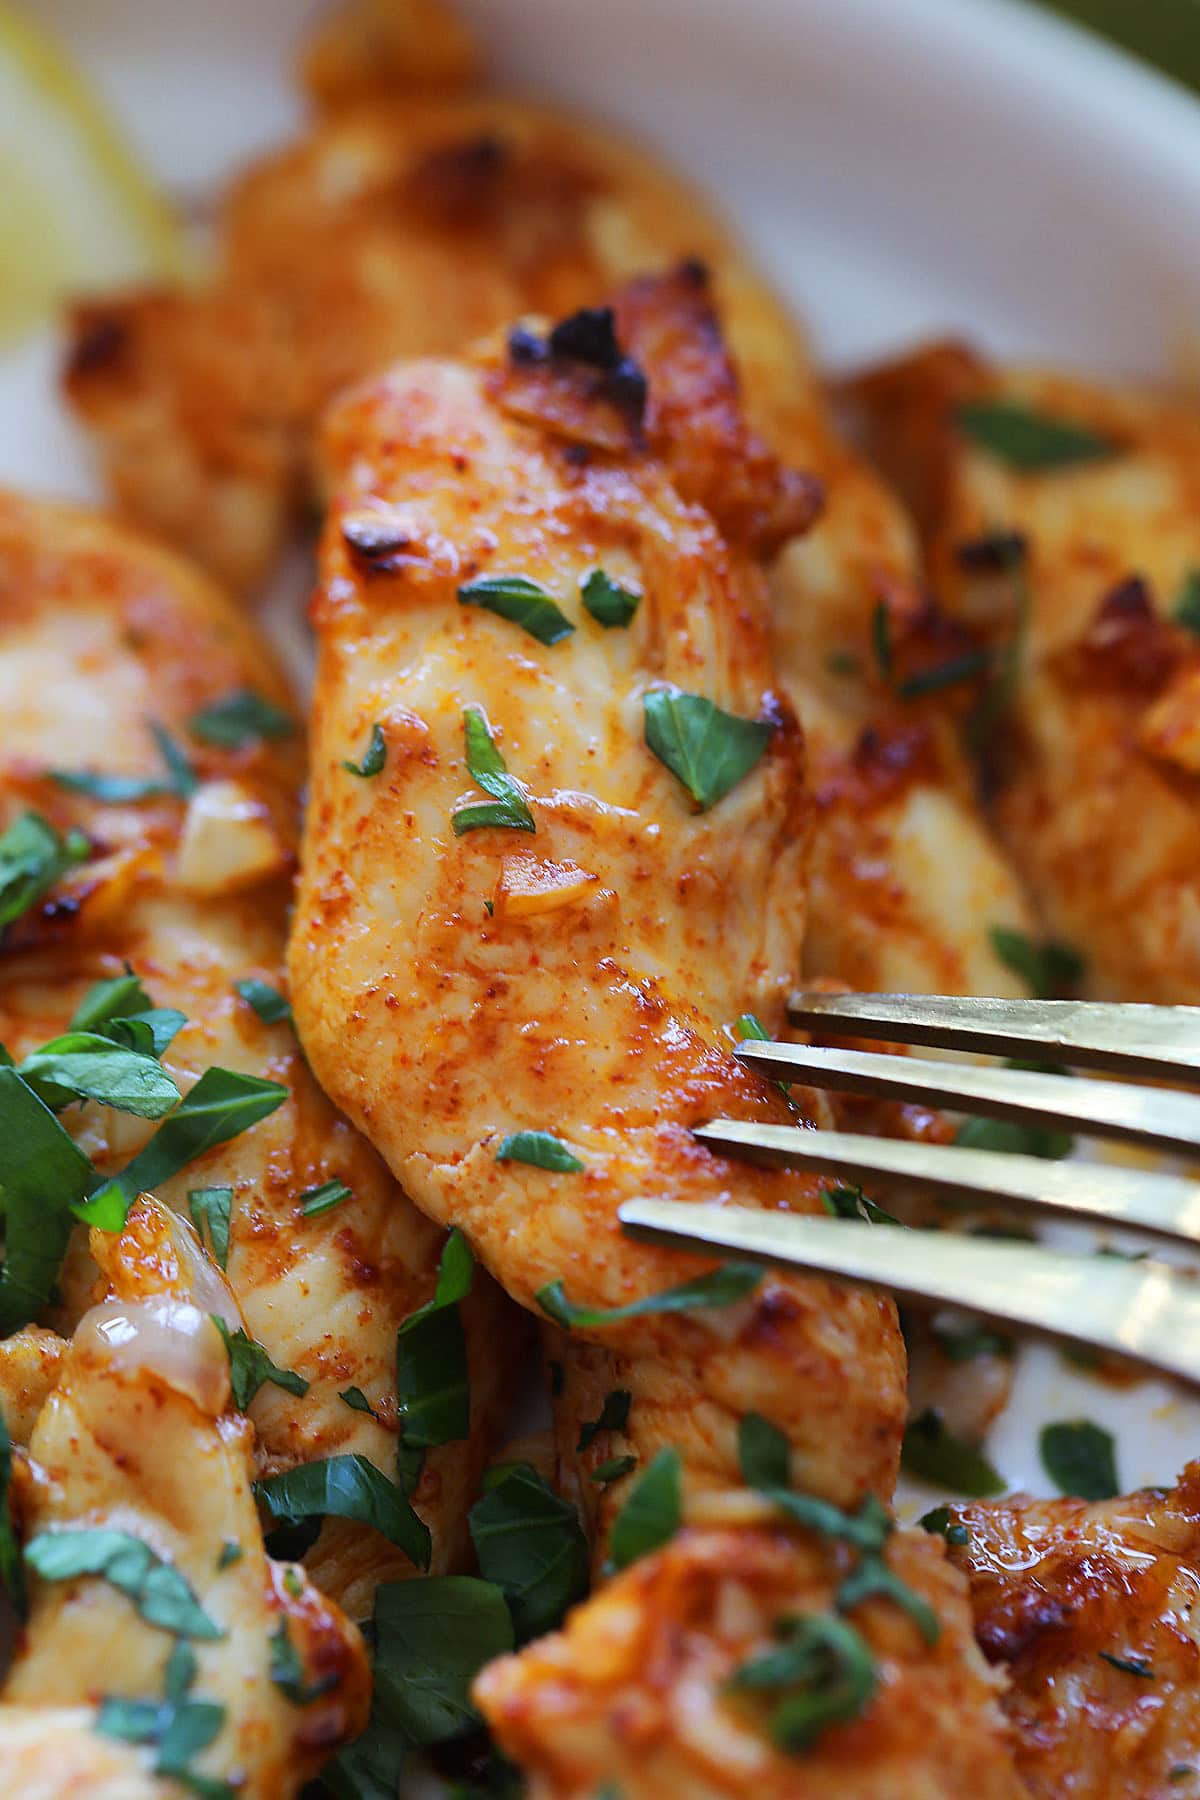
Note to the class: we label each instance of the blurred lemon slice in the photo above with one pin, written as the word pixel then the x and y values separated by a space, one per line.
pixel 76 212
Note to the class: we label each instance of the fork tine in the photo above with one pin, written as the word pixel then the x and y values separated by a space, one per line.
pixel 1155 1116
pixel 1160 1041
pixel 1143 1310
pixel 1167 1205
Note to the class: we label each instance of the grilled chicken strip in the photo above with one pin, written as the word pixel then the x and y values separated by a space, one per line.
pixel 640 1690
pixel 1092 494
pixel 138 1439
pixel 105 637
pixel 1091 1608
pixel 906 881
pixel 458 981
pixel 407 221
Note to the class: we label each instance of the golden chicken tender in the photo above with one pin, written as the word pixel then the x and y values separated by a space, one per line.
pixel 1060 524
pixel 906 881
pixel 1090 1607
pixel 147 1579
pixel 715 1667
pixel 400 226
pixel 121 666
pixel 520 950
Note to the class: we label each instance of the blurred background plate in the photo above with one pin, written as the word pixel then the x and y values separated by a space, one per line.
pixel 902 167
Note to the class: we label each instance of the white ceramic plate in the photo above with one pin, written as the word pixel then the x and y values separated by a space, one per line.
pixel 902 167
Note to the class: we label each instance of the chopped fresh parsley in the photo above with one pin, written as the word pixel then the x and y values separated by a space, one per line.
pixel 120 1010
pixel 765 1456
pixel 43 1173
pixel 178 777
pixel 653 1512
pixel 542 1149
pixel 1029 441
pixel 432 1637
pixel 940 1522
pixel 522 602
pixel 530 1543
pixel 242 717
pixel 1129 1665
pixel 12 1573
pixel 212 1212
pixel 1048 969
pixel 846 1202
pixel 314 1201
pixel 881 638
pixel 373 757
pixel 1080 1459
pixel 221 1106
pixel 1015 1139
pixel 1186 610
pixel 433 1390
pixel 231 1552
pixel 32 858
pixel 722 1287
pixel 609 603
pixel 178 1728
pixel 344 1487
pixel 709 751
pixel 82 1065
pixel 823 1670
pixel 508 807
pixel 251 1368
pixel 287 1670
pixel 161 1595
pixel 271 1006
pixel 613 1416
pixel 613 1470
pixel 956 669
pixel 935 1455
pixel 357 1401
pixel 963 1343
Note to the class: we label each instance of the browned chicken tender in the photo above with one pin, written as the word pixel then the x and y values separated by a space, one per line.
pixel 1091 1606
pixel 457 982
pixel 401 225
pixel 639 1693
pixel 105 637
pixel 1061 523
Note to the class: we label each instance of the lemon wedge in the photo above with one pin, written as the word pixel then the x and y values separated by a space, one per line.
pixel 77 214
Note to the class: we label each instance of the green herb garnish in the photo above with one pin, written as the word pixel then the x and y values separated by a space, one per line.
pixel 522 602
pixel 937 1456
pixel 314 1201
pixel 221 1106
pixel 542 1149
pixel 709 751
pixel 940 1522
pixel 507 808
pixel 530 1543
pixel 160 1594
pixel 1129 1665
pixel 82 1065
pixel 266 1001
pixel 847 1202
pixel 346 1487
pixel 881 638
pixel 1080 1459
pixel 608 602
pixel 212 1211
pixel 963 1343
pixel 653 1512
pixel 614 1416
pixel 432 1637
pixel 1048 969
pixel 827 1673
pixel 242 717
pixel 1014 1139
pixel 1186 610
pixel 178 779
pixel 374 756
pixel 722 1287
pixel 287 1670
pixel 1027 440
pixel 956 669
pixel 433 1389
pixel 613 1470
pixel 43 1173
pixel 231 1552
pixel 357 1401
pixel 250 1367
pixel 32 858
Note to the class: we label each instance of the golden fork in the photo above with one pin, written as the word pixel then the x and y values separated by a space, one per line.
pixel 1147 1310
